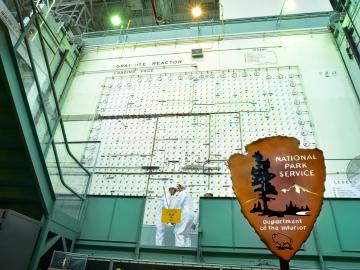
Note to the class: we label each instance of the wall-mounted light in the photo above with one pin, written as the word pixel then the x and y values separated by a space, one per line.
pixel 115 20
pixel 289 6
pixel 196 11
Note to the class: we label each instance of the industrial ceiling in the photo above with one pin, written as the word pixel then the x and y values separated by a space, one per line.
pixel 82 16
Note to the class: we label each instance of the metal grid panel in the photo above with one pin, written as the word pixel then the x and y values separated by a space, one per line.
pixel 168 127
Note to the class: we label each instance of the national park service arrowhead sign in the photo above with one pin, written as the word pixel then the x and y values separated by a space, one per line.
pixel 280 189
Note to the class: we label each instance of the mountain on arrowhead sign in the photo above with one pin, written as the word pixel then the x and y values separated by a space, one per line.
pixel 280 188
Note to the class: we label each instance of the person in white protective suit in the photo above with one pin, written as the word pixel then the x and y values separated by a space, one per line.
pixel 166 201
pixel 182 229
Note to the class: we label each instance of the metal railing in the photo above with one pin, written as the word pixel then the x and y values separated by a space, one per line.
pixel 47 113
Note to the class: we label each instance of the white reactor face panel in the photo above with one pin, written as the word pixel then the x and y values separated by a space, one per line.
pixel 160 129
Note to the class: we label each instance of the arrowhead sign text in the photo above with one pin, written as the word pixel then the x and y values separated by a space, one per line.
pixel 280 189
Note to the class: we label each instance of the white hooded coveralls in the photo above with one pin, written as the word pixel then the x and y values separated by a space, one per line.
pixel 160 227
pixel 182 229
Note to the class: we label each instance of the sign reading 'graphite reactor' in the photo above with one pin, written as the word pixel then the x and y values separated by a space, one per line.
pixel 280 189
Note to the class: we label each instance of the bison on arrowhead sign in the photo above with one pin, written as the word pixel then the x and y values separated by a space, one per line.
pixel 280 189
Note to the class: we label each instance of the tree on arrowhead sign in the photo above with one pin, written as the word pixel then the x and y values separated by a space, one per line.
pixel 280 188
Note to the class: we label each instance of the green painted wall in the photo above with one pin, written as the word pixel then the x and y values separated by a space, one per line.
pixel 112 225
pixel 115 219
pixel 337 240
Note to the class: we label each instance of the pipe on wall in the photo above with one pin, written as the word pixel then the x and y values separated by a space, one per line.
pixel 154 10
